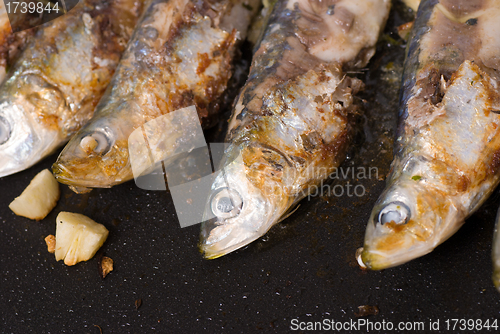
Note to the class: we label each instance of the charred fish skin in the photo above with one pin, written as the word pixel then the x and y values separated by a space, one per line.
pixel 292 122
pixel 12 44
pixel 59 78
pixel 181 54
pixel 447 146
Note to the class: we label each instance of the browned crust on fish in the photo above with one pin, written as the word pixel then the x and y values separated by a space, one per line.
pixel 207 97
pixel 463 7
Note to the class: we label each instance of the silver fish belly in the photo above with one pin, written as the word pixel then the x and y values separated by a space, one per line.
pixel 181 54
pixel 292 122
pixel 447 150
pixel 53 88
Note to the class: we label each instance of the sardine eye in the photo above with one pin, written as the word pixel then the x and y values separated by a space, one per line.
pixel 150 33
pixel 4 130
pixel 226 203
pixel 396 212
pixel 331 10
pixel 96 142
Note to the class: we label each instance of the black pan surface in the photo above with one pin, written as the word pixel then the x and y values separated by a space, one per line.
pixel 303 269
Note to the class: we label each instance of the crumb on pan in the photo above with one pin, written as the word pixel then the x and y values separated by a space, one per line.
pixel 366 310
pixel 106 266
pixel 50 240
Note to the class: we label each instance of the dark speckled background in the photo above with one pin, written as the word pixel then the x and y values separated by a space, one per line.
pixel 302 269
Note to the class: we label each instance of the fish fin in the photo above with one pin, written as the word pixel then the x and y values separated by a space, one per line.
pixel 288 214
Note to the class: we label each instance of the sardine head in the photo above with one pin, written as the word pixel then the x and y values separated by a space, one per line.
pixel 239 209
pixel 93 158
pixel 23 141
pixel 408 221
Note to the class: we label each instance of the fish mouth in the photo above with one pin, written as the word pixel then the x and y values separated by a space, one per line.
pixel 219 238
pixel 94 160
pixel 85 176
pixel 228 229
pixel 397 232
pixel 235 215
pixel 66 176
pixel 385 248
pixel 238 210
pixel 375 259
pixel 393 244
pixel 400 230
